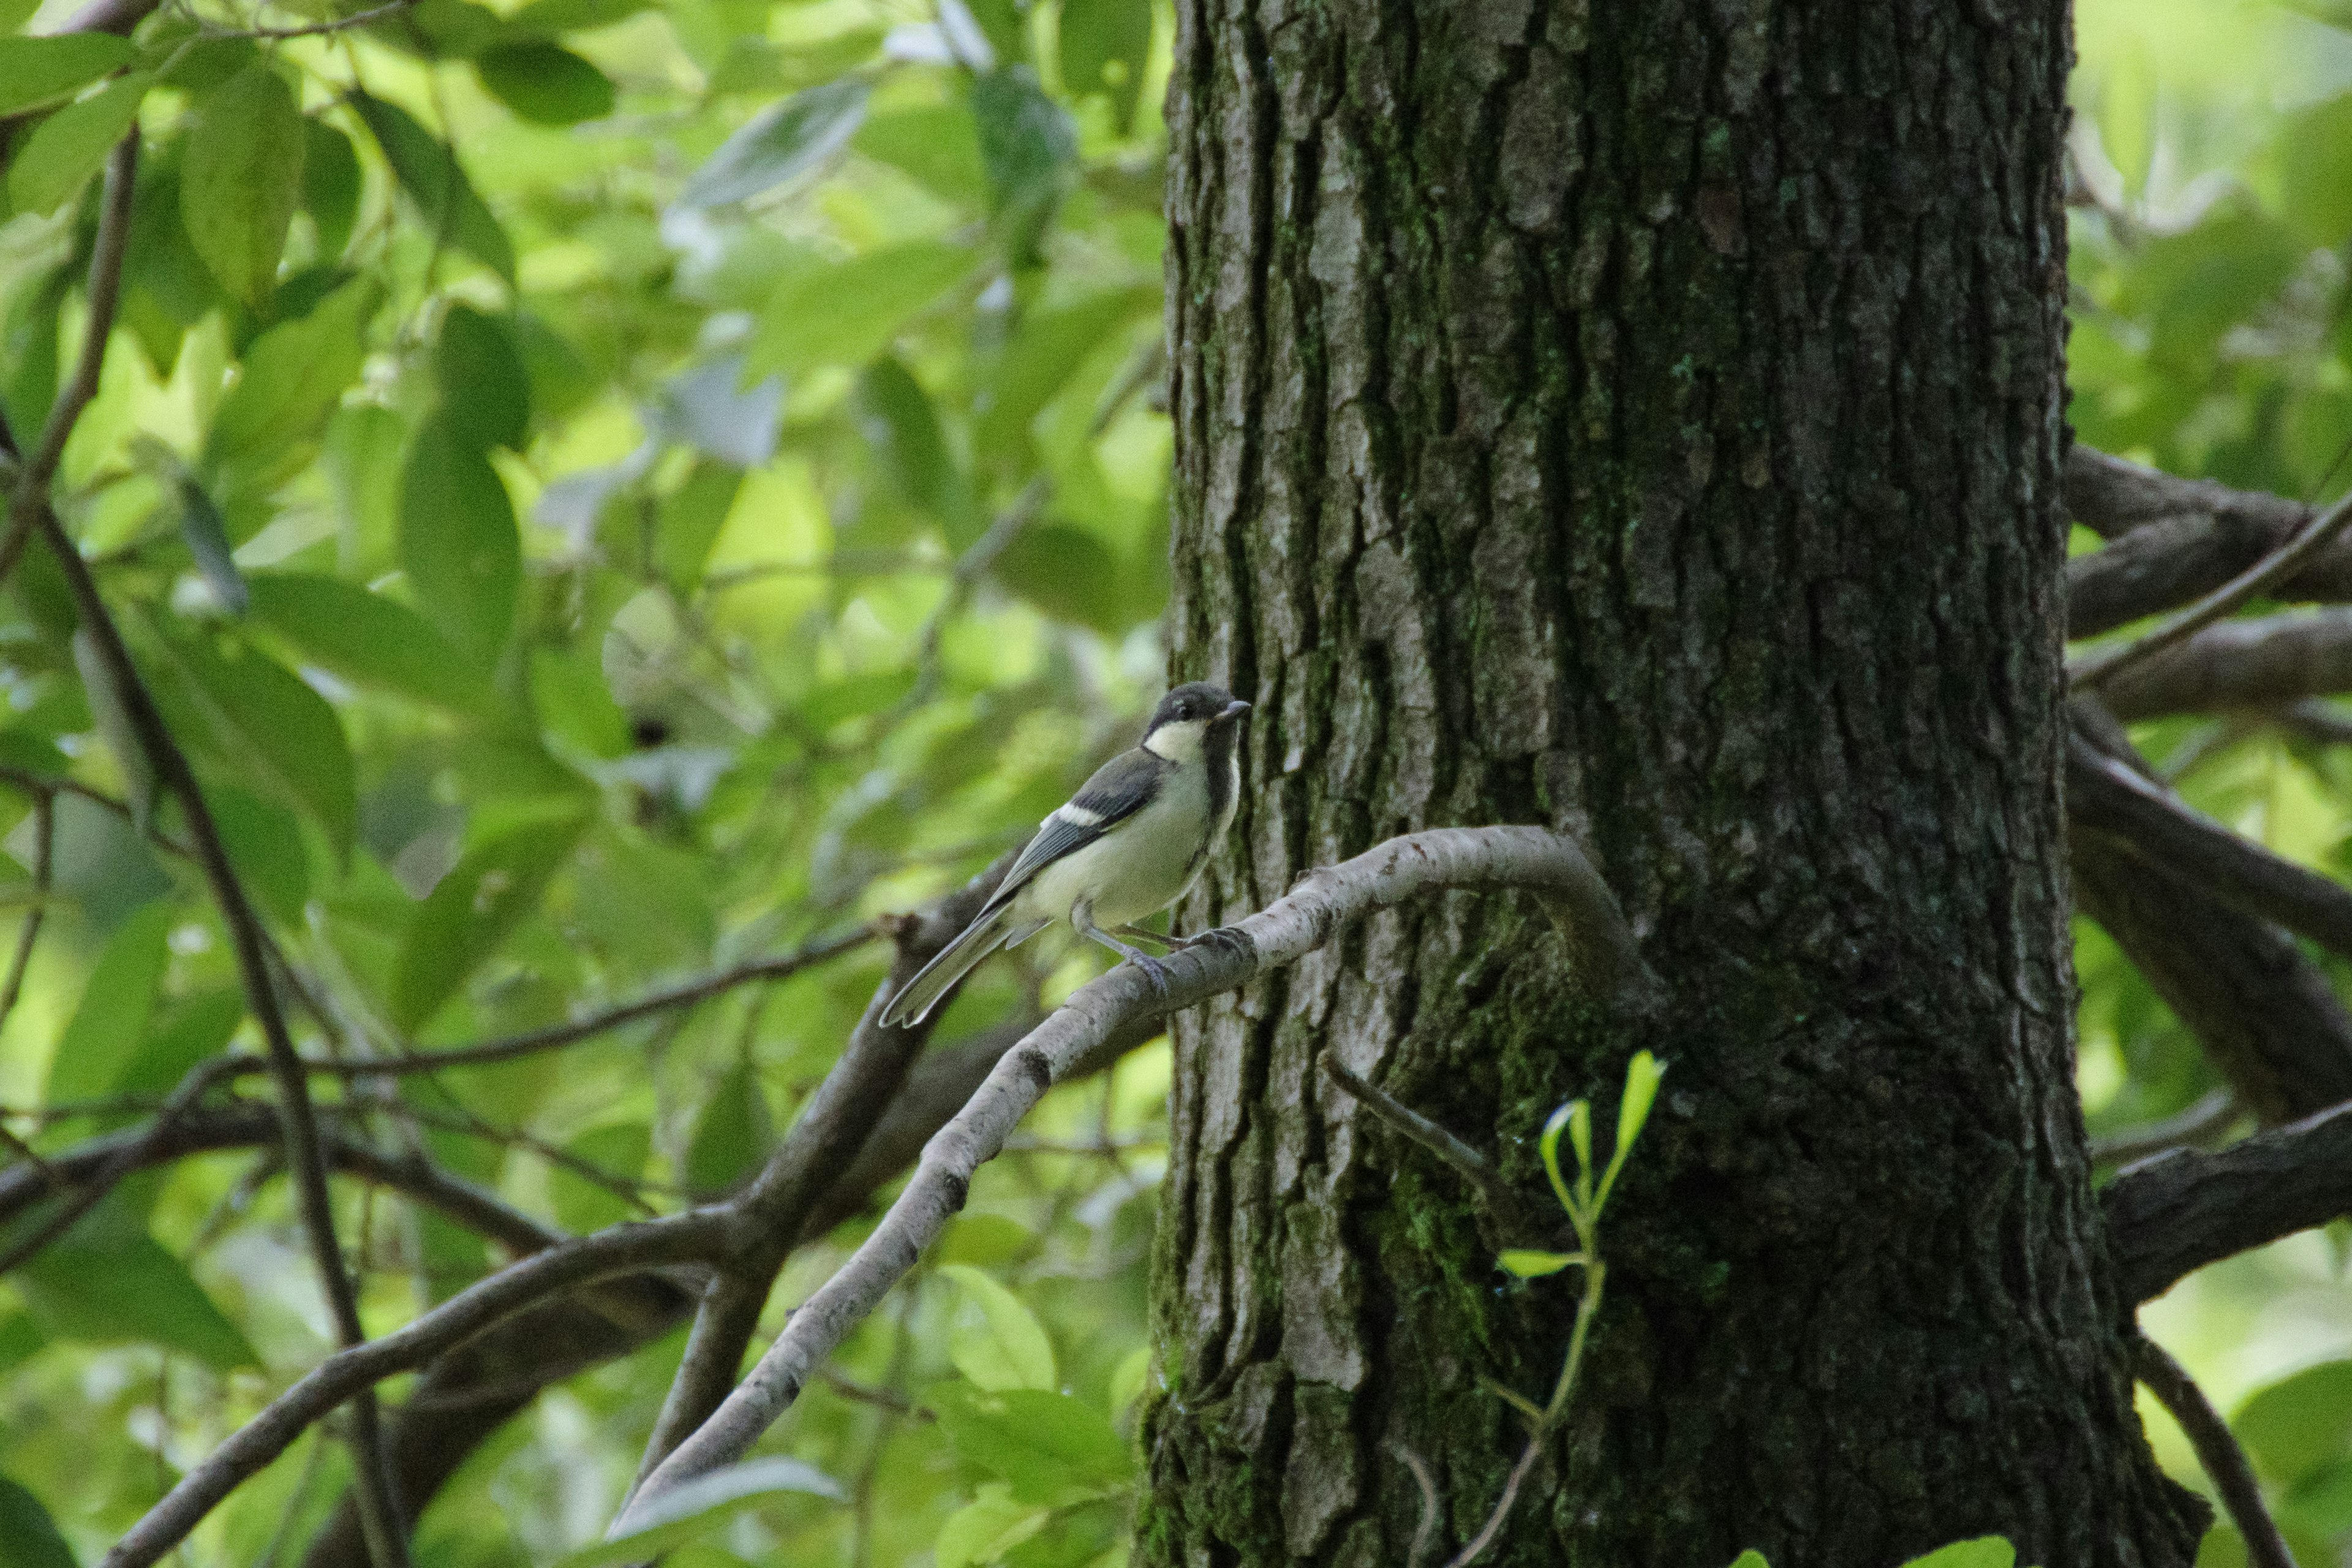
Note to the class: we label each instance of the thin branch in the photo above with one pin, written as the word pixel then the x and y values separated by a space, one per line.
pixel 45 842
pixel 623 1249
pixel 2173 1215
pixel 2209 1117
pixel 1425 1532
pixel 2105 796
pixel 1321 905
pixel 836 1121
pixel 2089 672
pixel 1518 1218
pixel 2217 1449
pixel 316 29
pixel 30 495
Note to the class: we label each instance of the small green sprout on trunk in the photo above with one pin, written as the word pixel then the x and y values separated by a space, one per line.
pixel 1985 1551
pixel 1584 1200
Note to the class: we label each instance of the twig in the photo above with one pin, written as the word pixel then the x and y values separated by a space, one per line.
pixel 316 29
pixel 2217 1450
pixel 44 832
pixel 1517 1216
pixel 2089 672
pixel 31 1156
pixel 1323 903
pixel 1425 1532
pixel 2212 1113
pixel 30 495
pixel 623 1249
pixel 880 1398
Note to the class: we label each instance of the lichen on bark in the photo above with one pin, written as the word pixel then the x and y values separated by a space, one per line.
pixel 1644 419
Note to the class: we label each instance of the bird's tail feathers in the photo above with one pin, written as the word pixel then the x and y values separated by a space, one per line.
pixel 958 958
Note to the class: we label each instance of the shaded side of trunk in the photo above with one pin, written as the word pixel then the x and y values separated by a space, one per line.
pixel 1642 418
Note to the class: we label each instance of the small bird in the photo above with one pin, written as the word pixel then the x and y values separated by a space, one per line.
pixel 1130 843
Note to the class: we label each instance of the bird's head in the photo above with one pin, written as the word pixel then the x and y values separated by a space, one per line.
pixel 1186 716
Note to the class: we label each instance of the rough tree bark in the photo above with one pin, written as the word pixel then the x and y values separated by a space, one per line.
pixel 1644 418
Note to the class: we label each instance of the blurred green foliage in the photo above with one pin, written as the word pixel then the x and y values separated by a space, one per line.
pixel 601 490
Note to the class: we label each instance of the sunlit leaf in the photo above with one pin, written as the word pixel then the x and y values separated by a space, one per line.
pixel 68 147
pixel 105 1031
pixel 997 1341
pixel 269 726
pixel 1531 1265
pixel 34 71
pixel 2300 1424
pixel 985 1531
pixel 1048 1447
pixel 293 375
pixel 241 180
pixel 1751 1558
pixel 1106 45
pixel 1986 1551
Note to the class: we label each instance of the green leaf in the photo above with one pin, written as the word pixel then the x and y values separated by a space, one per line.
pixel 106 1029
pixel 2315 170
pixel 1553 1127
pixel 848 313
pixel 702 1505
pixel 484 391
pixel 902 429
pixel 1071 574
pixel 65 150
pixel 1050 1447
pixel 428 170
pixel 331 185
pixel 2298 1425
pixel 370 638
pixel 732 1134
pixel 1751 1558
pixel 549 17
pixel 1105 46
pixel 936 145
pixel 107 1281
pixel 293 376
pixel 113 721
pixel 984 1531
pixel 580 1204
pixel 205 533
pixel 193 1032
pixel 458 542
pixel 984 1240
pixel 545 83
pixel 34 71
pixel 779 145
pixel 241 179
pixel 1532 1264
pixel 2127 115
pixel 470 913
pixel 1029 150
pixel 691 517
pixel 995 1340
pixel 265 843
pixel 1985 1551
pixel 269 726
pixel 29 1537
pixel 1041 358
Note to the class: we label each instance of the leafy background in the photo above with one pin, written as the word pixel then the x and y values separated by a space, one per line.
pixel 607 488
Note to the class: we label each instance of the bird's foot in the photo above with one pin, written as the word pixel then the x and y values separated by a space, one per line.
pixel 1225 939
pixel 1153 971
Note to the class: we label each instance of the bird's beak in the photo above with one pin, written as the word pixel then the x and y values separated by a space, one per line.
pixel 1234 709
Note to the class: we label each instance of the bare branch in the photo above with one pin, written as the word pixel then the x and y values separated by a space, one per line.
pixel 2217 1450
pixel 2176 538
pixel 2267 1016
pixel 1322 904
pixel 2173 1215
pixel 2263 663
pixel 2089 672
pixel 694 1237
pixel 103 1161
pixel 1522 1221
pixel 45 843
pixel 837 1118
pixel 2105 796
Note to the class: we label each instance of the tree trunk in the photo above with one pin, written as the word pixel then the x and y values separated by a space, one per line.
pixel 1645 418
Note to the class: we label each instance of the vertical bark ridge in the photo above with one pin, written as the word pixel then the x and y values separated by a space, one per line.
pixel 1642 418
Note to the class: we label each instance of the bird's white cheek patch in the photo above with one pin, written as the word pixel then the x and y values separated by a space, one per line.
pixel 1178 743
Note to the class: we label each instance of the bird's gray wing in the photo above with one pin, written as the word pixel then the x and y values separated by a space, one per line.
pixel 1120 788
